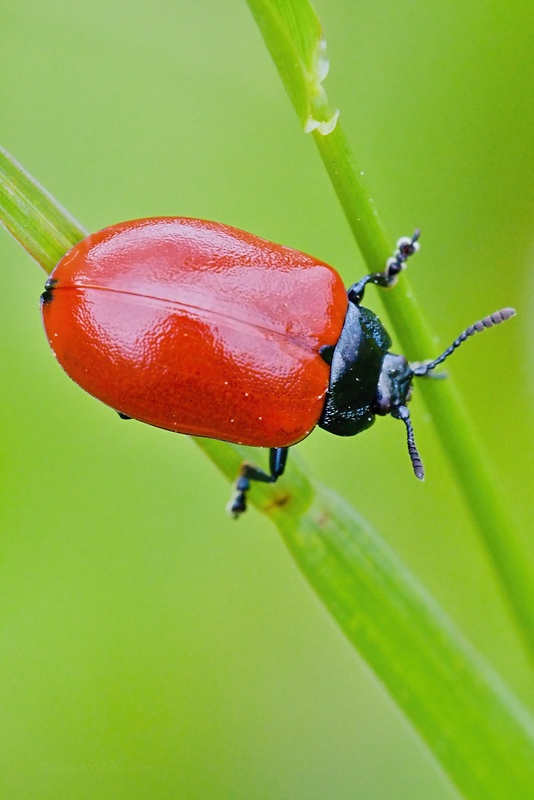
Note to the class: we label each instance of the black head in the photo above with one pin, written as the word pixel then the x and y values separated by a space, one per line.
pixel 395 381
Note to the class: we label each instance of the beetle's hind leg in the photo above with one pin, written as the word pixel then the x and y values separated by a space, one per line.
pixel 249 472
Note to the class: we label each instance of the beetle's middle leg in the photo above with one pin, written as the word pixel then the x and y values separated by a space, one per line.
pixel 250 472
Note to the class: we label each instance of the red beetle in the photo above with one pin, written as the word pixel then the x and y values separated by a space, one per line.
pixel 200 328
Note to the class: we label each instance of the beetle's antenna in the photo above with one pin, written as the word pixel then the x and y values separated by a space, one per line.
pixel 496 318
pixel 401 412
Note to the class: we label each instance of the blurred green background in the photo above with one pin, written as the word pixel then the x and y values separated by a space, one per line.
pixel 152 647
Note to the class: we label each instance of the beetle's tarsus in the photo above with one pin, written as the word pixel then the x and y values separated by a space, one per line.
pixel 250 472
pixel 237 505
pixel 406 247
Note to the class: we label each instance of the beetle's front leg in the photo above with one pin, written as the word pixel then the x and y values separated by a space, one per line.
pixel 406 246
pixel 250 472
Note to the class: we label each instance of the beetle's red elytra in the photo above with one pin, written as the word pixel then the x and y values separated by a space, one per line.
pixel 200 328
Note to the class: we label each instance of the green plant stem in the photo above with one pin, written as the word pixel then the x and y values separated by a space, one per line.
pixel 292 34
pixel 465 452
pixel 45 229
pixel 458 705
pixel 475 726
